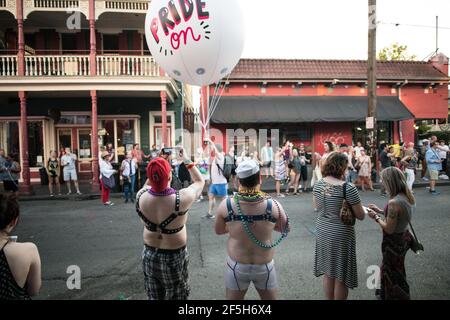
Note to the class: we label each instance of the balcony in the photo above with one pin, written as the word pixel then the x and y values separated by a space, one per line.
pixel 79 66
pixel 101 6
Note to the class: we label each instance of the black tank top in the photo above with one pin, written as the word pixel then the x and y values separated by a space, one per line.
pixel 9 289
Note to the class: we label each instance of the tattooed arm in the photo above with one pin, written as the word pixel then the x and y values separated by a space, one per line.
pixel 390 223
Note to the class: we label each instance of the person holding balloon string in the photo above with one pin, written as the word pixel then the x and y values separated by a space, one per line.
pixel 203 166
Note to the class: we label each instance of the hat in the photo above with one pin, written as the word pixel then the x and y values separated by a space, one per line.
pixel 158 174
pixel 104 154
pixel 247 168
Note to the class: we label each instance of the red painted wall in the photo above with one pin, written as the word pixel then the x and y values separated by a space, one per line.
pixel 287 89
pixel 408 131
pixel 431 105
pixel 337 133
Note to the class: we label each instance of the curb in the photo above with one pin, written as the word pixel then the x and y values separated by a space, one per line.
pixel 95 196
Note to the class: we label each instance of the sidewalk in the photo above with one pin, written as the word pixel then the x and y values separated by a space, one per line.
pixel 41 192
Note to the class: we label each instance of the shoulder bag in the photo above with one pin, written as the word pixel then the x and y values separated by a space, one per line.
pixel 346 214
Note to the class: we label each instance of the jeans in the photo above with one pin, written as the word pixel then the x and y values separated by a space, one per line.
pixel 128 187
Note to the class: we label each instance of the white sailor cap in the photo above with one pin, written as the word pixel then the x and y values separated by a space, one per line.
pixel 247 168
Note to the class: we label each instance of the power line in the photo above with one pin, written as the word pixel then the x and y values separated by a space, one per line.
pixel 412 25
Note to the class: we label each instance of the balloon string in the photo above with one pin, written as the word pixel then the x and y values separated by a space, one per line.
pixel 216 101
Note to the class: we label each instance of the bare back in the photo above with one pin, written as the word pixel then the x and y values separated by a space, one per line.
pixel 158 209
pixel 25 265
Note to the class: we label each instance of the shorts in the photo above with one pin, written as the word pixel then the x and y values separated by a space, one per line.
pixel 218 190
pixel 434 174
pixel 267 164
pixel 304 173
pixel 166 273
pixel 238 276
pixel 70 175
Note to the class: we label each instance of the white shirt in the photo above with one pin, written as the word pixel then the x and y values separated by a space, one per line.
pixel 216 175
pixel 106 169
pixel 443 151
pixel 69 161
pixel 266 154
pixel 129 167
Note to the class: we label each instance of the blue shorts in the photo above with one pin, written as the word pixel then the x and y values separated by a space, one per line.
pixel 218 190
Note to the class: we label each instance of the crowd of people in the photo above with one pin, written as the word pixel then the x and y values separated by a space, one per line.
pixel 249 217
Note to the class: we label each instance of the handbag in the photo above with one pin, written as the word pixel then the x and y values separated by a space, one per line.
pixel 346 214
pixel 412 240
pixel 109 183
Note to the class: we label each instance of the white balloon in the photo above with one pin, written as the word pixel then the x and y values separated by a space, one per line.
pixel 197 42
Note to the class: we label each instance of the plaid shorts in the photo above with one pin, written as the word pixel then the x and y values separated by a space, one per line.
pixel 166 273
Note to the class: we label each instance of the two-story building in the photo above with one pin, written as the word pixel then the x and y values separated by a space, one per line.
pixel 78 74
pixel 312 101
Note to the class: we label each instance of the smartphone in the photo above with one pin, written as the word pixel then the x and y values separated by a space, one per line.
pixel 167 151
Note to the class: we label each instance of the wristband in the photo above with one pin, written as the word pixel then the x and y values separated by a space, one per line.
pixel 377 218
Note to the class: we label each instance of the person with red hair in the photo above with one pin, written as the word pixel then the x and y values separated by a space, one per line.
pixel 163 211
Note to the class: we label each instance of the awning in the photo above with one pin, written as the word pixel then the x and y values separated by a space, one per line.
pixel 305 109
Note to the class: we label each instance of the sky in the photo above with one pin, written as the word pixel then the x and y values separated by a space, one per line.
pixel 332 29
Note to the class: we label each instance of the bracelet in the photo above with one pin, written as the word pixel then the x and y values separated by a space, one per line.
pixel 377 218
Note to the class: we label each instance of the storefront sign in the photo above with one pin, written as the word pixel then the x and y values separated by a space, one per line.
pixel 370 123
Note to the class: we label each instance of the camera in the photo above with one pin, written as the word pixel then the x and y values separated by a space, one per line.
pixel 167 151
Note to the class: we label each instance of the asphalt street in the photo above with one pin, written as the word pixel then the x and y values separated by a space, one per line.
pixel 106 243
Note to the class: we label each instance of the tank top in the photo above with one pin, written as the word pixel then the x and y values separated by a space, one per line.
pixel 9 289
pixel 405 216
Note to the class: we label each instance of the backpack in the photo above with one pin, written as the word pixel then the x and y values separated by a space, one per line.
pixel 227 167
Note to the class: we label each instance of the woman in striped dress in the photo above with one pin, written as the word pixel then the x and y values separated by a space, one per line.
pixel 335 255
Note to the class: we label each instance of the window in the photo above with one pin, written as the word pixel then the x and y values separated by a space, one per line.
pixel 35 144
pixel 75 119
pixel 121 133
pixel 12 138
pixel 84 143
pixel 125 137
pixel 110 43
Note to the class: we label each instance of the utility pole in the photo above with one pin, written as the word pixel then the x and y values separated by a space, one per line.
pixel 371 121
pixel 437 35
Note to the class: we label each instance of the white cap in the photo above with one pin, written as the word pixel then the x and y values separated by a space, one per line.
pixel 247 168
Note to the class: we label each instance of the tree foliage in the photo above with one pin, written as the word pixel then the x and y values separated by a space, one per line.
pixel 395 52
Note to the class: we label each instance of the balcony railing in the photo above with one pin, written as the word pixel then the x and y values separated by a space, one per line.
pixel 56 3
pixel 8 66
pixel 56 66
pixel 2 3
pixel 126 5
pixel 79 65
pixel 127 66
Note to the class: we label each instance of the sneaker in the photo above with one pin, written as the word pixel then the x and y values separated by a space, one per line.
pixel 52 195
pixel 425 179
pixel 132 200
pixel 126 200
pixel 281 195
pixel 69 193
pixel 209 216
pixel 109 203
pixel 435 193
pixel 79 193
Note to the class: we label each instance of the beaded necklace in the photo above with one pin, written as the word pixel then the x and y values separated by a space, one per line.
pixel 164 193
pixel 251 195
pixel 252 236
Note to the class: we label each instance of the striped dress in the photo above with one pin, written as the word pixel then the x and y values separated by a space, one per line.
pixel 335 253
